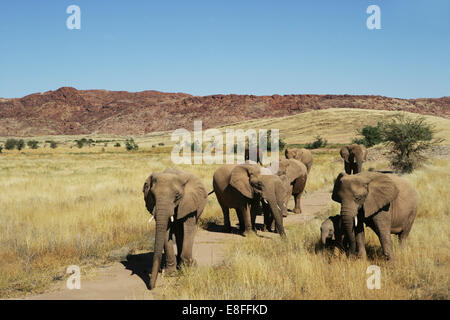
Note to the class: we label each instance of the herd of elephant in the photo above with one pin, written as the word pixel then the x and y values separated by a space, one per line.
pixel 384 202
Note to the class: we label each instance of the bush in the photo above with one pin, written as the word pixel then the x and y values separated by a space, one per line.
pixel 130 145
pixel 407 140
pixel 318 143
pixel 1 148
pixel 53 145
pixel 33 144
pixel 371 135
pixel 20 144
pixel 80 143
pixel 10 144
pixel 117 145
pixel 161 144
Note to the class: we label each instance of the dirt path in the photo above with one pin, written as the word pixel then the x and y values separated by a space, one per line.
pixel 127 280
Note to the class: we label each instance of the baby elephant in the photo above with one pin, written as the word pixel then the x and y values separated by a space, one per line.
pixel 332 233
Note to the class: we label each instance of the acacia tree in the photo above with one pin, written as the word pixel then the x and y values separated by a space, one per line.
pixel 408 139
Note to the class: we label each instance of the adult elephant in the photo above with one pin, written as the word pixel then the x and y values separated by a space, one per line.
pixel 176 199
pixel 354 155
pixel 296 174
pixel 303 155
pixel 385 202
pixel 242 187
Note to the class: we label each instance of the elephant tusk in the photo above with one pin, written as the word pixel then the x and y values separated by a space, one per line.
pixel 171 219
pixel 356 221
pixel 150 220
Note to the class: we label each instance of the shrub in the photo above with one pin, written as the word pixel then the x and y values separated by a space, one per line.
pixel 53 145
pixel 407 140
pixel 10 144
pixel 372 135
pixel 33 144
pixel 117 145
pixel 20 144
pixel 130 145
pixel 316 144
pixel 1 148
pixel 161 144
pixel 80 143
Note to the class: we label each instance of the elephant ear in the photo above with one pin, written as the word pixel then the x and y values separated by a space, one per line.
pixel 345 153
pixel 291 168
pixel 381 192
pixel 240 179
pixel 194 196
pixel 337 186
pixel 148 196
pixel 286 153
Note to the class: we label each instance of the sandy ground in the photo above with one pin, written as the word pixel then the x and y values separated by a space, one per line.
pixel 128 279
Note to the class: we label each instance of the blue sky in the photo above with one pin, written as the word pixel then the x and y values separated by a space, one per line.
pixel 220 47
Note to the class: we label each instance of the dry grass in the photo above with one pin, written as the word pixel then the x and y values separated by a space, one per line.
pixel 74 206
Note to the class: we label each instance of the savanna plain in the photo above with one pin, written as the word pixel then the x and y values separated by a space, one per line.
pixel 71 205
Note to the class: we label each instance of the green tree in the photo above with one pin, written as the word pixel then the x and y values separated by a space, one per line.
pixel 10 144
pixel 20 144
pixel 33 144
pixel 130 145
pixel 372 135
pixel 408 139
pixel 53 145
pixel 318 143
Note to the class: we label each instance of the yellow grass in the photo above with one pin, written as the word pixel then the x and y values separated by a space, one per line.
pixel 74 206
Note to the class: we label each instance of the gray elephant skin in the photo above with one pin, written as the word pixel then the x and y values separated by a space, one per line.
pixel 385 202
pixel 176 199
pixel 303 155
pixel 354 155
pixel 242 187
pixel 332 233
pixel 297 174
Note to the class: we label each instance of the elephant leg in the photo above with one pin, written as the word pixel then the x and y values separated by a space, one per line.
pixel 226 219
pixel 240 215
pixel 360 237
pixel 189 230
pixel 347 167
pixel 245 213
pixel 179 235
pixel 255 209
pixel 297 208
pixel 170 253
pixel 382 224
pixel 268 218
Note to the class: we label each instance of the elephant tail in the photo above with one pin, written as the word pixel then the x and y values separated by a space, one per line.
pixel 212 191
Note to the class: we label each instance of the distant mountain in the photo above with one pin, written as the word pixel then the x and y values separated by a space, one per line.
pixel 70 111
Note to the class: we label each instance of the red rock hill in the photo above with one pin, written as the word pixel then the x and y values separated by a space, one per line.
pixel 71 111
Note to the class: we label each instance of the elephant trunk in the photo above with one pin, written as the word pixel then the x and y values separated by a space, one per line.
pixel 358 166
pixel 347 224
pixel 324 238
pixel 278 216
pixel 160 237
